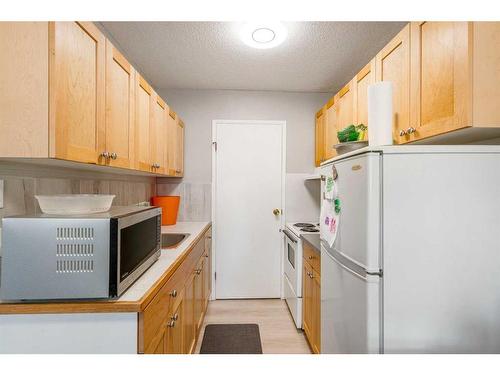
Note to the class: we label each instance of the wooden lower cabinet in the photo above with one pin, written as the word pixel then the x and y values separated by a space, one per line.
pixel 311 301
pixel 174 332
pixel 199 303
pixel 171 322
pixel 188 312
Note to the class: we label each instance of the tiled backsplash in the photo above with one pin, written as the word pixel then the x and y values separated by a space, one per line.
pixel 23 181
pixel 195 202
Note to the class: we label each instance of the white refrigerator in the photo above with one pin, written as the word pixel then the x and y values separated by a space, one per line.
pixel 415 266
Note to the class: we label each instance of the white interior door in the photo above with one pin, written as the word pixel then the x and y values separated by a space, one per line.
pixel 248 186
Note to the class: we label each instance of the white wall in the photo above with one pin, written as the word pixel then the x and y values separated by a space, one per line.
pixel 199 107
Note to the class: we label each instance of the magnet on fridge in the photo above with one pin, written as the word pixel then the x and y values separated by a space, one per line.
pixel 337 205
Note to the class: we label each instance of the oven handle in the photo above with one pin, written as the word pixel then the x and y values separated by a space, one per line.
pixel 289 235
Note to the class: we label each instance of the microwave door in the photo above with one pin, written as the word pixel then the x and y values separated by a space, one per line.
pixel 138 237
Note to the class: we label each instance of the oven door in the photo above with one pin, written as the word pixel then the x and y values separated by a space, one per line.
pixel 138 246
pixel 291 260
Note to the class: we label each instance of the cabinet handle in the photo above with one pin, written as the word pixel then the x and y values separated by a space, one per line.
pixel 310 257
pixel 173 293
pixel 105 154
pixel 411 130
pixel 402 133
pixel 171 324
pixel 178 171
pixel 114 155
pixel 311 275
pixel 206 255
pixel 174 317
pixel 198 271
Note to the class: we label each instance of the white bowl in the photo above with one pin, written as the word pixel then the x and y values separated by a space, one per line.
pixel 74 204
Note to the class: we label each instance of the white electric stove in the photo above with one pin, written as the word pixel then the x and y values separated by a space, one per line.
pixel 292 267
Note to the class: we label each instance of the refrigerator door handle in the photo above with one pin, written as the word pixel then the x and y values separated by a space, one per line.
pixel 379 273
pixel 361 274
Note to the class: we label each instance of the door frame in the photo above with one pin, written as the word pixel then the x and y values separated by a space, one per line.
pixel 282 123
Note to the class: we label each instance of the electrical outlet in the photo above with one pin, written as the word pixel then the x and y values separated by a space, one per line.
pixel 1 193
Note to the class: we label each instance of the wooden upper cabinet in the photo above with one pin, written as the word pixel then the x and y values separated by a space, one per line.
pixel 175 145
pixel 158 135
pixel 144 100
pixel 179 149
pixel 345 106
pixel 360 85
pixel 320 137
pixel 120 100
pixel 76 91
pixel 393 64
pixel 171 141
pixel 24 96
pixel 330 128
pixel 440 77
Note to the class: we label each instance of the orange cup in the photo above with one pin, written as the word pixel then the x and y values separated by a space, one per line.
pixel 169 208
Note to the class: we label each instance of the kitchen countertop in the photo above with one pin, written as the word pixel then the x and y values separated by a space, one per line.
pixel 313 240
pixel 138 295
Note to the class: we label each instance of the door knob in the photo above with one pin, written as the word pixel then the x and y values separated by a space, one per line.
pixel 276 211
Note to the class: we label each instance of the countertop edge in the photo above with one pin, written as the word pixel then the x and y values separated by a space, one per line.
pixel 103 306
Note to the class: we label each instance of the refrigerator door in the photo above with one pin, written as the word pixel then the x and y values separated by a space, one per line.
pixel 350 307
pixel 441 253
pixel 358 184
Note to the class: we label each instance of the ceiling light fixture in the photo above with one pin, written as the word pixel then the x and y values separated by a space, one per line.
pixel 263 35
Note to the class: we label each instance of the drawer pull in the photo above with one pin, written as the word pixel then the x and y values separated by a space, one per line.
pixel 174 317
pixel 173 293
pixel 171 324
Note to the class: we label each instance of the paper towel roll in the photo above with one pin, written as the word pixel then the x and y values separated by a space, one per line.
pixel 380 115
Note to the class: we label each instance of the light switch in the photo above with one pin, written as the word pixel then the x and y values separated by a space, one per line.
pixel 1 193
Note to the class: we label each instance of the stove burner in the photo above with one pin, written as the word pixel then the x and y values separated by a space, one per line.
pixel 304 225
pixel 311 230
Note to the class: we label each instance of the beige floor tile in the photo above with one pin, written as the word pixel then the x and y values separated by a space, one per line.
pixel 277 330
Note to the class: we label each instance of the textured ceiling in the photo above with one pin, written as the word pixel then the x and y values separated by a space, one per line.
pixel 316 56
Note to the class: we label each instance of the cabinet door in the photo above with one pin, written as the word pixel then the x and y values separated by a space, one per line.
pixel 306 300
pixel 316 311
pixel 171 139
pixel 330 129
pixel 161 346
pixel 143 113
pixel 179 149
pixel 393 64
pixel 345 108
pixel 320 137
pixel 158 136
pixel 440 77
pixel 198 295
pixel 76 91
pixel 207 279
pixel 174 332
pixel 360 93
pixel 188 318
pixel 120 97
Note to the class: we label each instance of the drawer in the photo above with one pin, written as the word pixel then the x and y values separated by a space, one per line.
pixel 312 256
pixel 157 313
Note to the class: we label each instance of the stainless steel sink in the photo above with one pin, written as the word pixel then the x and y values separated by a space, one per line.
pixel 172 240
